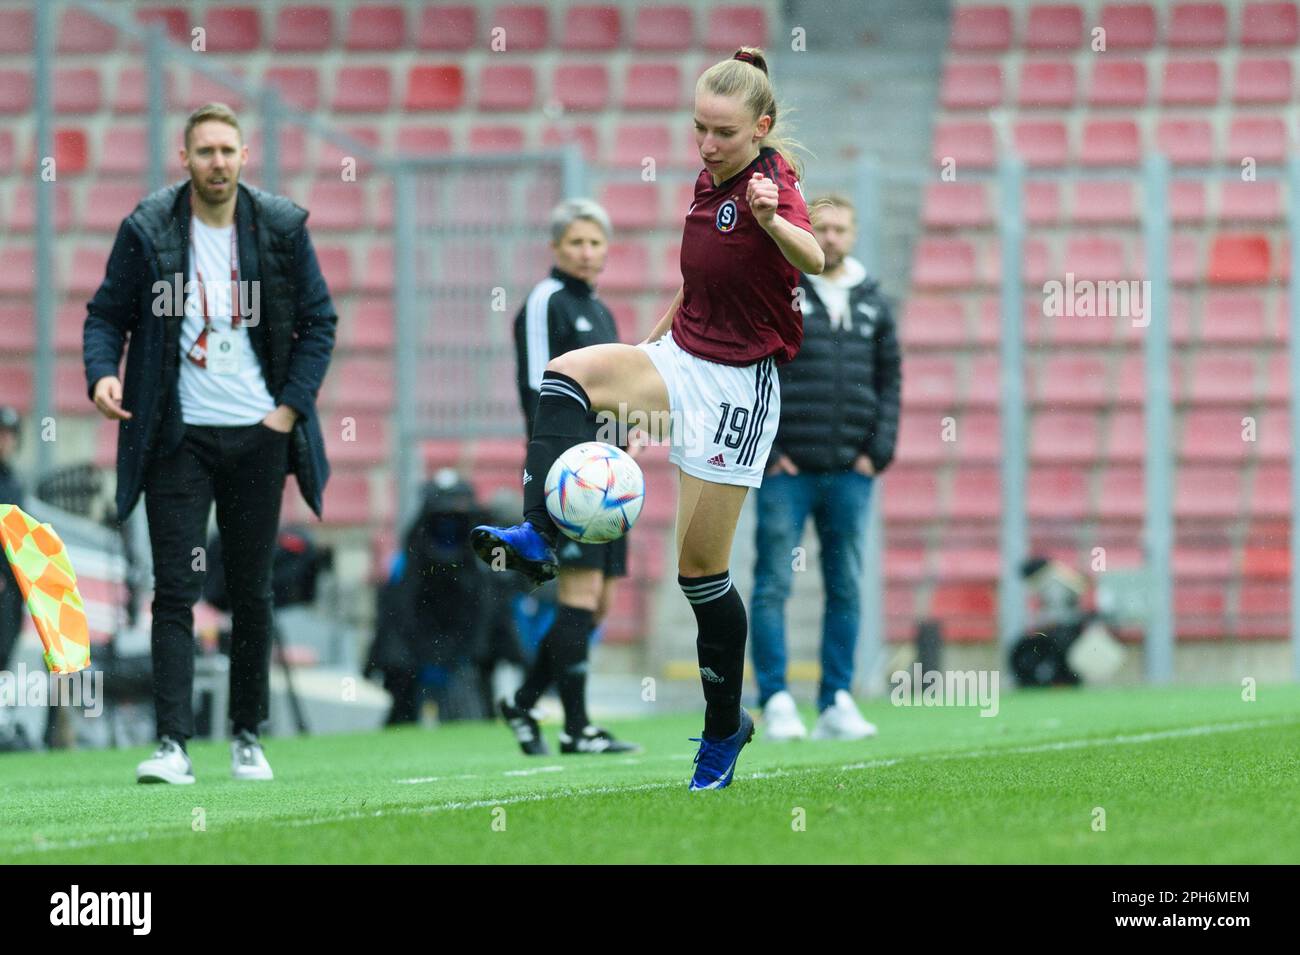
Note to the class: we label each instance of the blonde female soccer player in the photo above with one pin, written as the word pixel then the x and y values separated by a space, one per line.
pixel 710 364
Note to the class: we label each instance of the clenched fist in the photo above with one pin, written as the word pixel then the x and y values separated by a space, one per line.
pixel 763 197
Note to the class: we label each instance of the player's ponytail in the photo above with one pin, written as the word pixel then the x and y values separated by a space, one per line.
pixel 745 75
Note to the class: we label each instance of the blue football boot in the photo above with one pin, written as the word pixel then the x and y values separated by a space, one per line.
pixel 522 546
pixel 715 763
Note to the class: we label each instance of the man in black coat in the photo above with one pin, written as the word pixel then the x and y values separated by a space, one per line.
pixel 217 288
pixel 839 424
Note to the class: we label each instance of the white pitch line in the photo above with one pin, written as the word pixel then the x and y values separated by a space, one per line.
pixel 1120 740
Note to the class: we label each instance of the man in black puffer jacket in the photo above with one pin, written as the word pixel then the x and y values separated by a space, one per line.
pixel 839 424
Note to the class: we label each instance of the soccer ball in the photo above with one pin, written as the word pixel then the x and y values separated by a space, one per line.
pixel 594 492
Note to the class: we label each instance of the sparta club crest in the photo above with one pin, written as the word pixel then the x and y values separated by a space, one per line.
pixel 726 219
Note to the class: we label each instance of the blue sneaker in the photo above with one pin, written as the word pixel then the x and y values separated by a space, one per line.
pixel 715 763
pixel 524 548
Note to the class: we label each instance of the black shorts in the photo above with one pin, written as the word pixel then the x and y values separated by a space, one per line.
pixel 610 558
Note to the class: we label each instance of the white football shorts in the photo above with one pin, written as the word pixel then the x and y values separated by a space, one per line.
pixel 723 417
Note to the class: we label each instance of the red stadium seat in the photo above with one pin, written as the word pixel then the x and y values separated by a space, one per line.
pixel 1097 257
pixel 376 27
pixel 1239 259
pixel 1110 143
pixel 205 90
pixel 1223 377
pixel 582 135
pixel 336 205
pixel 293 151
pixel 656 86
pixel 424 140
pixel 1259 201
pixel 1262 82
pixel 1058 493
pixel 1054 27
pixel 951 205
pixel 1104 202
pixel 124 151
pixel 1190 83
pixel 1187 142
pixel 731 27
pixel 1263 139
pixel 17 331
pixel 1213 435
pixel 356 440
pixel 18 271
pixel 87 272
pixel 330 158
pixel 1187 202
pixel 627 268
pixel 447 27
pixel 971 86
pixel 663 29
pixel 914 494
pixel 931 321
pixel 981 29
pixel 1050 84
pixel 1036 263
pixel 1127 436
pixel 1042 143
pixel 1129 26
pixel 233 30
pixel 931 382
pixel 1208 491
pixel 1118 83
pixel 496 139
pixel 969 143
pixel 16 31
pixel 434 88
pixel 1269 24
pixel 596 28
pixel 22 205
pixel 581 88
pixel 298 86
pixel 81 32
pixel 77 91
pixel 976 493
pixel 1074 380
pixel 1122 495
pixel 632 205
pixel 363 89
pixel 921 440
pixel 1065 436
pixel 1234 318
pixel 175 23
pixel 131 94
pixel 1198 25
pixel 979 437
pixel 943 263
pixel 112 202
pixel 346 501
pixel 15 91
pixel 523 28
pixel 336 265
pixel 303 29
pixel 507 88
pixel 634 142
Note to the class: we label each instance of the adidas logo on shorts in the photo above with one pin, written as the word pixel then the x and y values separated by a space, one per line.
pixel 717 462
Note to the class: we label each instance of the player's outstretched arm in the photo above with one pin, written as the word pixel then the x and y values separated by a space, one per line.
pixel 798 245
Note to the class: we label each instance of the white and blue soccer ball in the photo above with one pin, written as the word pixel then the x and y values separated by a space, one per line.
pixel 594 492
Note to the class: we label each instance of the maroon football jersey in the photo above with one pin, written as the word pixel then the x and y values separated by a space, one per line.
pixel 738 304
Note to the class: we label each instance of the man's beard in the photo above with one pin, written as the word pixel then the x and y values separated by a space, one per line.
pixel 213 196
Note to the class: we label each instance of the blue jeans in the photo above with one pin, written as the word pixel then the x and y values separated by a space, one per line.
pixel 838 504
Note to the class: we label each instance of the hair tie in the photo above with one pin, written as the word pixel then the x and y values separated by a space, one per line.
pixel 744 56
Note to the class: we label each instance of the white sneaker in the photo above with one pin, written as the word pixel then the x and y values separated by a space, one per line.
pixel 168 764
pixel 841 720
pixel 781 719
pixel 247 761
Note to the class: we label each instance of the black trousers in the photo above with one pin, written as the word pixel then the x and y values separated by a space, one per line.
pixel 243 470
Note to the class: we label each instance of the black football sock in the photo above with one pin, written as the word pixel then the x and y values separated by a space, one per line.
pixel 561 422
pixel 569 637
pixel 539 676
pixel 720 647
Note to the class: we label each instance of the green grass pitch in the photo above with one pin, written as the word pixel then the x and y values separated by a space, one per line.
pixel 1183 775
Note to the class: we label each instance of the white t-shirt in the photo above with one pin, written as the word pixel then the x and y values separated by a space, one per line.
pixel 208 398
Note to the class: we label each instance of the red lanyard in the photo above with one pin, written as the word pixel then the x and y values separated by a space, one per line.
pixel 198 352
